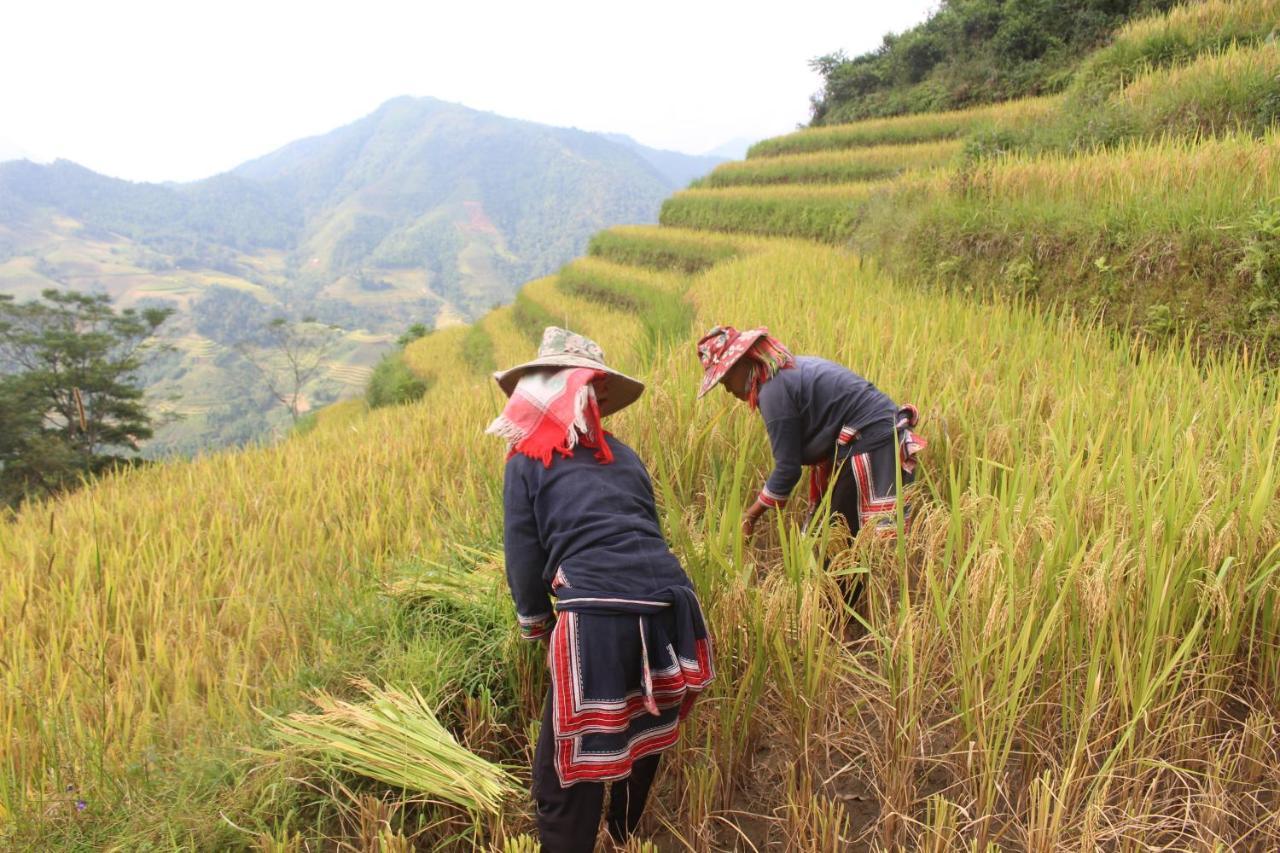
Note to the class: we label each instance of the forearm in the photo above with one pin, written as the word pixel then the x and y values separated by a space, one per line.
pixel 781 483
pixel 526 560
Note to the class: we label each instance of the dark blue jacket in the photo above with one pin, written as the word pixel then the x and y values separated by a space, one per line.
pixel 805 406
pixel 594 525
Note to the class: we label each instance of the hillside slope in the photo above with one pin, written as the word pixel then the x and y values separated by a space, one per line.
pixel 1075 646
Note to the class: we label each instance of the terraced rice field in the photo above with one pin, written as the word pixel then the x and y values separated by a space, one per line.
pixel 350 374
pixel 1075 646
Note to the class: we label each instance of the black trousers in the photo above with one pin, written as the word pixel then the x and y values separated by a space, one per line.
pixel 845 500
pixel 569 818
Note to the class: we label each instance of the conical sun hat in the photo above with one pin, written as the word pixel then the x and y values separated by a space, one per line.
pixel 562 348
pixel 720 349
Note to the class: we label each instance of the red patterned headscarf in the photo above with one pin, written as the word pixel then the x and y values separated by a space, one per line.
pixel 723 346
pixel 552 411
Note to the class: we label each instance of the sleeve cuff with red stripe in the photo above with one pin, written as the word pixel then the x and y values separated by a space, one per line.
pixel 536 627
pixel 771 500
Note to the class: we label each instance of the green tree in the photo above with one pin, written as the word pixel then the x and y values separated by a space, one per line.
pixel 71 405
pixel 417 330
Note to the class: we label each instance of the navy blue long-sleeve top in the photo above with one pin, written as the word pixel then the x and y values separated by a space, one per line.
pixel 583 524
pixel 805 407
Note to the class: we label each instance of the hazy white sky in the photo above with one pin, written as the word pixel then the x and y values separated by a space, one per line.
pixel 177 90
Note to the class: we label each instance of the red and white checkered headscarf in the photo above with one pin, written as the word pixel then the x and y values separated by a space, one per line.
pixel 552 411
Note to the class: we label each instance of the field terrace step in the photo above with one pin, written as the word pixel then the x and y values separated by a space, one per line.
pixel 827 213
pixel 924 127
pixel 442 356
pixel 340 414
pixel 1184 32
pixel 873 163
pixel 656 298
pixel 349 374
pixel 1236 89
pixel 665 248
pixel 621 275
pixel 511 345
pixel 616 330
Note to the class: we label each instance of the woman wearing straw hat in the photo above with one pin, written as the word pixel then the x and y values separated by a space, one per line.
pixel 820 414
pixel 627 645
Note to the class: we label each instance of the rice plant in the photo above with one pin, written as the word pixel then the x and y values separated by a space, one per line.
pixel 1173 38
pixel 1072 475
pixel 822 212
pixel 616 332
pixel 1076 646
pixel 1236 89
pixel 838 166
pixel 903 130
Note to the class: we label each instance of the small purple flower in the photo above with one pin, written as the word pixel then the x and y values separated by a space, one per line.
pixel 81 805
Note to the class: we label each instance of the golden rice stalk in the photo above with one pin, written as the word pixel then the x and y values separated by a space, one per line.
pixel 394 737
pixel 521 844
pixel 1208 16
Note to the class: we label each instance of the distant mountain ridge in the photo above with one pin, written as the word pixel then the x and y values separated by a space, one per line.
pixel 12 151
pixel 391 190
pixel 678 167
pixel 734 149
pixel 420 212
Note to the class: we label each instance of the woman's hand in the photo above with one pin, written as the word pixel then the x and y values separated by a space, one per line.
pixel 752 515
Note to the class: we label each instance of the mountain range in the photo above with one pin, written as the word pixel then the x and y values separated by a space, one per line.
pixel 421 212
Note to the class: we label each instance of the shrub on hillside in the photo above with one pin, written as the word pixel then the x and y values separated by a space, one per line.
pixel 1261 261
pixel 411 334
pixel 393 383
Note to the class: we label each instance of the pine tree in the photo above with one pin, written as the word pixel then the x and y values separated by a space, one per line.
pixel 71 405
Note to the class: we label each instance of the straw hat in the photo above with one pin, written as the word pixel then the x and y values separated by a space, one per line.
pixel 562 348
pixel 720 349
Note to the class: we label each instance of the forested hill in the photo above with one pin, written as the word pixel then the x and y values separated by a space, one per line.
pixel 476 201
pixel 971 52
pixel 421 212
